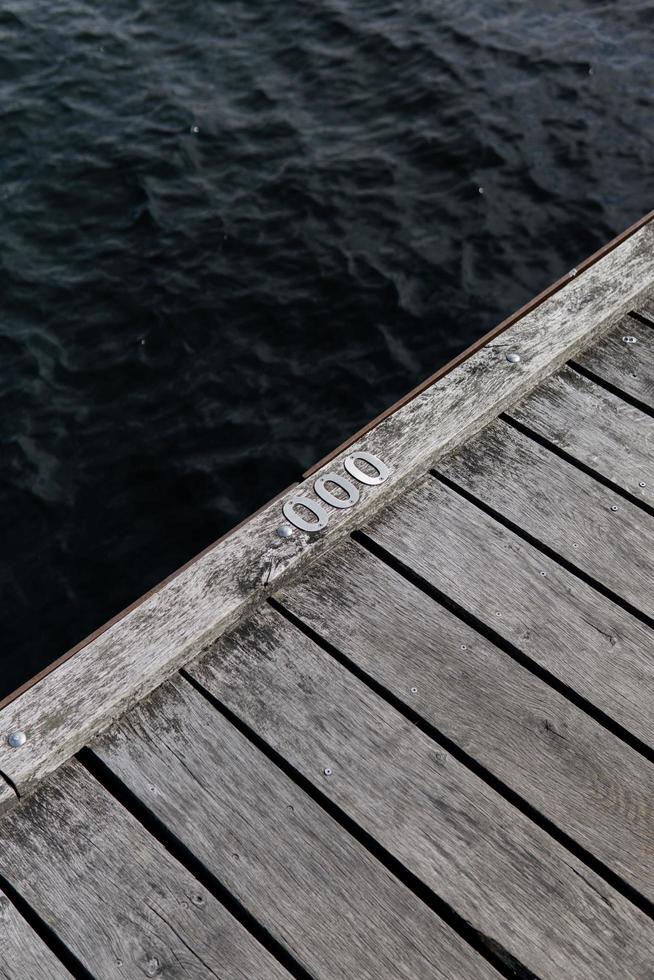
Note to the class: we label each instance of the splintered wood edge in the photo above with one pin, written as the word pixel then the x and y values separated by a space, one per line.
pixel 122 664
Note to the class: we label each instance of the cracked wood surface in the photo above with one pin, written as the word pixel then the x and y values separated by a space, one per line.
pixel 318 891
pixel 125 662
pixel 503 874
pixel 114 896
pixel 605 536
pixel 595 427
pixel 573 771
pixel 23 954
pixel 558 622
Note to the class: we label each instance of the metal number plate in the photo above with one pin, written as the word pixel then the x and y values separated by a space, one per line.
pixel 383 472
pixel 321 488
pixel 296 519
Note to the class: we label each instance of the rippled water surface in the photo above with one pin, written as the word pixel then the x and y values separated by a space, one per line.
pixel 232 232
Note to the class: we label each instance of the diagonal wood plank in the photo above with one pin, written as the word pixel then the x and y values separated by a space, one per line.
pixel 594 787
pixel 138 651
pixel 502 873
pixel 118 901
pixel 628 367
pixel 23 955
pixel 7 795
pixel 296 870
pixel 594 426
pixel 563 625
pixel 603 535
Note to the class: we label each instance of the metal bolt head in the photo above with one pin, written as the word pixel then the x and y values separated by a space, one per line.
pixel 628 339
pixel 513 357
pixel 327 771
pixel 414 690
pixel 641 483
pixel 572 273
pixel 284 531
pixel 16 739
pixel 613 507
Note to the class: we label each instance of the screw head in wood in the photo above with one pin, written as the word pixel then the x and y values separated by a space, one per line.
pixel 628 339
pixel 414 690
pixel 284 531
pixel 613 507
pixel 641 483
pixel 513 357
pixel 327 771
pixel 572 273
pixel 16 739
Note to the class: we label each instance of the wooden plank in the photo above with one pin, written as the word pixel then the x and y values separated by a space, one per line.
pixel 23 954
pixel 594 426
pixel 567 766
pixel 7 795
pixel 289 863
pixel 646 309
pixel 627 367
pixel 136 653
pixel 583 521
pixel 563 625
pixel 501 872
pixel 118 901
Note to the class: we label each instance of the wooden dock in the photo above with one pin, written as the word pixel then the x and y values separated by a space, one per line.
pixel 415 740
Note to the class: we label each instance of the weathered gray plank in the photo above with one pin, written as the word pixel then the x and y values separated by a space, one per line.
pixel 646 309
pixel 562 507
pixel 7 796
pixel 23 954
pixel 114 896
pixel 503 874
pixel 562 624
pixel 167 629
pixel 583 779
pixel 595 427
pixel 313 887
pixel 628 367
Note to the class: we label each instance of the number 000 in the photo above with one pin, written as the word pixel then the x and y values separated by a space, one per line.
pixel 321 487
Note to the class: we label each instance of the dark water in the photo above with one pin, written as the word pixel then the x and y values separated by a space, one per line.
pixel 191 318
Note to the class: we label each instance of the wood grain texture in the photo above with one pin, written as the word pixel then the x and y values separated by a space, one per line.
pixel 132 656
pixel 594 426
pixel 646 309
pixel 565 626
pixel 503 874
pixel 7 796
pixel 562 507
pixel 118 901
pixel 23 954
pixel 628 367
pixel 567 766
pixel 290 864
